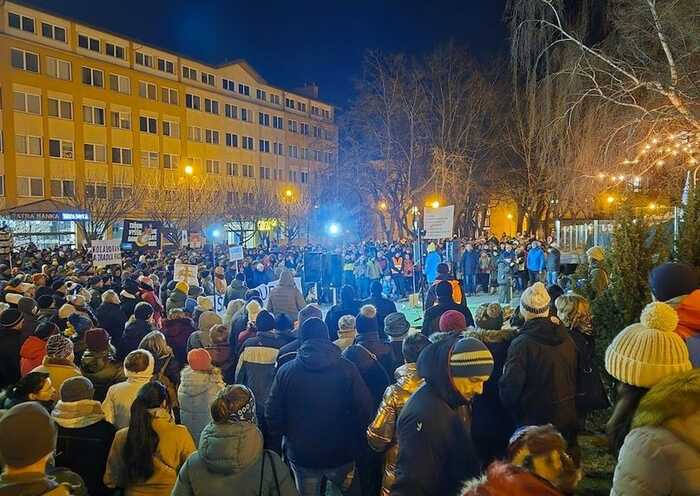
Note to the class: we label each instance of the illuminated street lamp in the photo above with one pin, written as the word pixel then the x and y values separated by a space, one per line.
pixel 382 205
pixel 289 196
pixel 435 204
pixel 610 199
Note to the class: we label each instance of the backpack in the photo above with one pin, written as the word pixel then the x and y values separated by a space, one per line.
pixel 457 295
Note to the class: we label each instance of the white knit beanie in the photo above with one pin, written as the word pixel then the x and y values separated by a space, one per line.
pixel 534 302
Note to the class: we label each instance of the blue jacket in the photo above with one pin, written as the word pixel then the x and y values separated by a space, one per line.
pixel 535 259
pixel 432 260
pixel 470 262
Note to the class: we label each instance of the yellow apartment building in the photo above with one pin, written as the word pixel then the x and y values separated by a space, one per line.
pixel 83 109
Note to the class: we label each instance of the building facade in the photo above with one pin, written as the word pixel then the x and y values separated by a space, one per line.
pixel 85 110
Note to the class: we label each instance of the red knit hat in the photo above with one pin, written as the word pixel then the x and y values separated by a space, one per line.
pixel 452 320
pixel 199 359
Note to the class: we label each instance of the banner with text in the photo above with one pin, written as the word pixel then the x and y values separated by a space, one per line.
pixel 438 222
pixel 106 252
pixel 235 253
pixel 142 234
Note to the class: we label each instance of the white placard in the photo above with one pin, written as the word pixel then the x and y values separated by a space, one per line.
pixel 438 222
pixel 106 252
pixel 235 253
pixel 187 273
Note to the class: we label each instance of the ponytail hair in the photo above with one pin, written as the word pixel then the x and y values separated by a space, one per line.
pixel 31 383
pixel 141 439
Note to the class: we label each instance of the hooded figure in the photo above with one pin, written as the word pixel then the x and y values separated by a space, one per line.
pixel 137 327
pixel 28 309
pixel 111 317
pixel 285 298
pixel 383 305
pixel 348 306
pixel 138 369
pixel 445 303
pixel 98 363
pixel 236 290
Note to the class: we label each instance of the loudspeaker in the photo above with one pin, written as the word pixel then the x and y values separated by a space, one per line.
pixel 312 267
pixel 332 272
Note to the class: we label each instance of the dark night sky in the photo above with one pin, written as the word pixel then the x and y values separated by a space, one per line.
pixel 290 43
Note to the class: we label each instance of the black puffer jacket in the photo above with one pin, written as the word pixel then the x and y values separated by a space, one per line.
pixel 436 453
pixel 134 332
pixel 321 405
pixel 539 378
pixel 374 359
pixel 112 319
pixel 431 319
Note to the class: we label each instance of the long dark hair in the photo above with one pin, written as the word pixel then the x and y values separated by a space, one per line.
pixel 31 383
pixel 141 439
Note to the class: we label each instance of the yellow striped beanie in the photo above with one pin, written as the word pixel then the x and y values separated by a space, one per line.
pixel 470 358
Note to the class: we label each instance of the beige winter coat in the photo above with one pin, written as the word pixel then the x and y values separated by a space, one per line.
pixel 285 298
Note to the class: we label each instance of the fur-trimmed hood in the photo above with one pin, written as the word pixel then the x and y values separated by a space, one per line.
pixel 503 479
pixel 487 336
pixel 661 403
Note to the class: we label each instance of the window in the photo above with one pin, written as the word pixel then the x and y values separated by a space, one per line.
pixel 274 99
pixel 57 68
pixel 245 115
pixel 147 90
pixel 231 111
pixel 27 102
pixel 93 77
pixel 169 161
pixel 231 169
pixel 211 136
pixel 247 171
pixel 292 126
pixel 315 110
pixel 30 186
pixel 194 134
pixel 212 166
pixel 317 155
pixel 121 192
pixel 62 188
pixel 89 43
pixel 192 101
pixel 304 176
pixel 208 79
pixel 264 173
pixel 56 33
pixel 232 196
pixel 2 185
pixel 264 119
pixel 228 85
pixel 94 152
pixel 121 155
pixel 326 114
pixel 304 128
pixel 316 131
pixel 247 143
pixel 261 95
pixel 278 148
pixel 327 135
pixel 166 66
pixel 244 89
pixel 27 61
pixel 211 106
pixel 59 148
pixel 171 128
pixel 149 159
pixel 62 109
pixel 232 140
pixel 277 122
pixel 20 22
pixel 189 73
pixel 115 51
pixel 292 176
pixel 302 107
pixel 96 190
pixel 292 151
pixel 93 115
pixel 148 125
pixel 121 120
pixel 264 146
pixel 28 145
pixel 144 60
pixel 120 84
pixel 168 95
pixel 289 103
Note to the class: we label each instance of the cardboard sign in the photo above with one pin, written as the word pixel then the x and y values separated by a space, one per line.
pixel 187 273
pixel 106 252
pixel 438 222
pixel 196 241
pixel 235 253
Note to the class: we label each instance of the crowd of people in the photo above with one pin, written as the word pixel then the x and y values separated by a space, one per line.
pixel 125 380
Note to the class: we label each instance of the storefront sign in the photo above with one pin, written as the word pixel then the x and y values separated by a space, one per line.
pixel 143 234
pixel 438 222
pixel 106 252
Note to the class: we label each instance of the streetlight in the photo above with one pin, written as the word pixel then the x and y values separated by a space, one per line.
pixel 289 195
pixel 188 172
pixel 382 205
pixel 435 204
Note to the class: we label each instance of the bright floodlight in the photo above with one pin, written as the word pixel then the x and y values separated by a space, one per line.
pixel 216 233
pixel 189 170
pixel 333 229
pixel 435 204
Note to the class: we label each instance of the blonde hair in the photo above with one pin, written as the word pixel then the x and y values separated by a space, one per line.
pixel 219 334
pixel 155 342
pixel 571 308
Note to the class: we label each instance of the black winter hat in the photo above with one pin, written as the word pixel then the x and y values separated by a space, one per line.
pixel 44 302
pixel 443 290
pixel 265 321
pixel 283 323
pixel 672 279
pixel 366 325
pixel 10 318
pixel 313 328
pixel 375 289
pixel 131 286
pixel 143 310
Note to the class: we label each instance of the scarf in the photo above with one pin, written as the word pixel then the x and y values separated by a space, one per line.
pixel 76 414
pixel 145 375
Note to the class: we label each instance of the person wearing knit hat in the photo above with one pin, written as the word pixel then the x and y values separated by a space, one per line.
pixel 539 376
pixel 489 316
pixel 140 324
pixel 200 383
pixel 33 349
pixel 313 328
pixel 58 362
pixel 346 332
pixel 309 311
pixel 265 321
pixel 178 297
pixel 452 321
pixel 199 359
pixel 11 341
pixel 445 303
pixel 289 351
pixel 98 362
pixel 430 423
pixel 396 327
pixel 97 340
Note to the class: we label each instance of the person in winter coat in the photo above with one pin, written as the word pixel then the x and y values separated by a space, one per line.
pixel 236 290
pixel 200 383
pixel 285 298
pixel 436 453
pixel 231 454
pixel 677 284
pixel 111 317
pixel 535 262
pixel 145 457
pixel 200 338
pixel 10 345
pixel 445 303
pixel 33 349
pixel 639 357
pixel 166 370
pixel 470 267
pixel 84 436
pixel 35 386
pixel 253 309
pixel 138 369
pixel 138 325
pixel 381 433
pixel 25 471
pixel 45 308
pixel 597 275
pixel 289 351
pixel 320 404
pixel 661 454
pixel 59 360
pixel 177 329
pixel 539 377
pixel 348 305
pixel 383 305
pixel 178 297
pixel 149 295
pixel 346 332
pixel 444 274
pixel 492 423
pixel 98 363
pixel 552 264
pixel 232 307
pixel 372 356
pixel 28 309
pixel 432 260
pixel 129 297
pixel 504 276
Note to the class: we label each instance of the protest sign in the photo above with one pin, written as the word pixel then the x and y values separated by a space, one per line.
pixel 106 252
